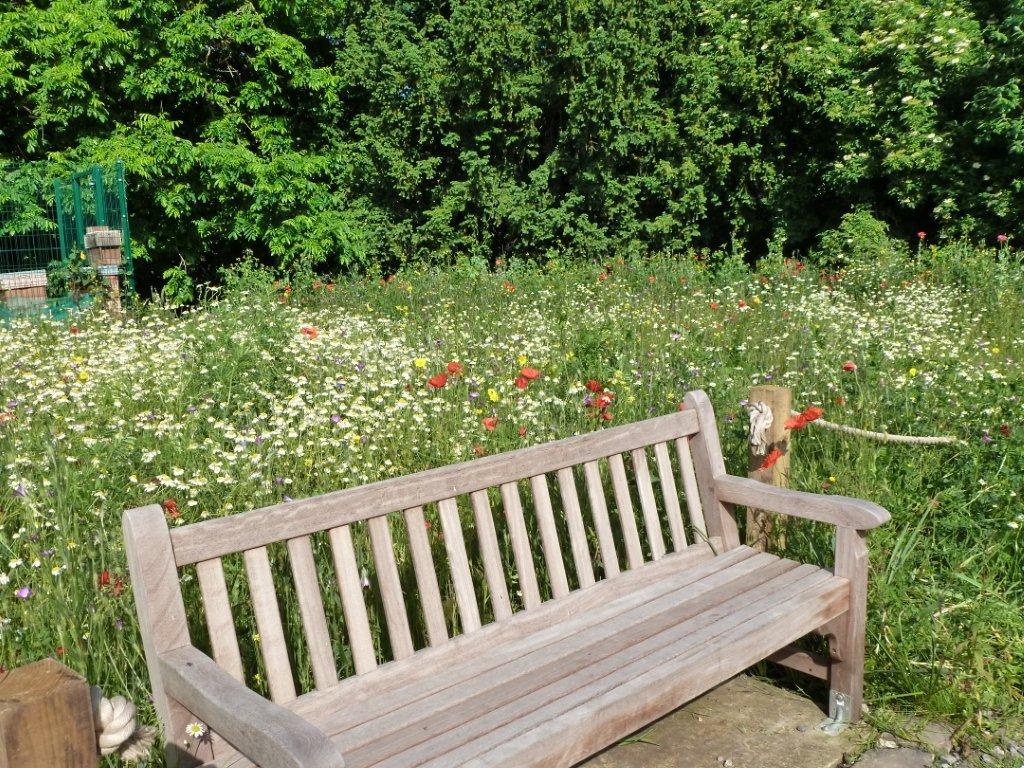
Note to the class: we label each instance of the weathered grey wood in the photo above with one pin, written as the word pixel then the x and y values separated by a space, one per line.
pixel 390 587
pixel 219 621
pixel 708 464
pixel 462 578
pixel 270 734
pixel 585 688
pixel 690 489
pixel 346 570
pixel 224 535
pixel 520 545
pixel 549 536
pixel 620 489
pixel 494 568
pixel 366 695
pixel 162 621
pixel 670 496
pixel 577 530
pixel 311 609
pixel 453 706
pixel 648 504
pixel 272 644
pixel 426 576
pixel 800 660
pixel 489 664
pixel 837 510
pixel 847 647
pixel 602 524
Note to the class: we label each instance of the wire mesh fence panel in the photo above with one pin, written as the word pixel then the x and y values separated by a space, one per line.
pixel 48 244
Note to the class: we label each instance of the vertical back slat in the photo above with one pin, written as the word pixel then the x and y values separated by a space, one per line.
pixel 630 534
pixel 426 576
pixel 455 544
pixel 494 569
pixel 648 505
pixel 311 608
pixel 390 587
pixel 671 497
pixel 574 522
pixel 599 508
pixel 520 545
pixel 219 621
pixel 689 478
pixel 352 604
pixel 549 536
pixel 268 622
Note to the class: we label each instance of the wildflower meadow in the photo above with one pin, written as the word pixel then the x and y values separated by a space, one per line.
pixel 272 389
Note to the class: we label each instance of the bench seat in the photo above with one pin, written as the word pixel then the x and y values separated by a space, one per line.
pixel 543 692
pixel 521 609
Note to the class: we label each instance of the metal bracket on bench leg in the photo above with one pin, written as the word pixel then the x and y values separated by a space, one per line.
pixel 839 714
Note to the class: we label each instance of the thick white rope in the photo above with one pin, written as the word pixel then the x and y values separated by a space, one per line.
pixel 116 729
pixel 761 419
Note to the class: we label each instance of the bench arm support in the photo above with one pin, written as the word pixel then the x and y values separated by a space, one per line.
pixel 265 732
pixel 841 511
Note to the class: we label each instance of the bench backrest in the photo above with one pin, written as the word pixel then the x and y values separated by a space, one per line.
pixel 658 467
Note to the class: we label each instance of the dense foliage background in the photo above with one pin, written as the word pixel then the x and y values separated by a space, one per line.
pixel 356 133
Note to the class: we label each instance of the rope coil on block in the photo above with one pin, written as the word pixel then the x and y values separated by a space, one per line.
pixel 116 729
pixel 761 419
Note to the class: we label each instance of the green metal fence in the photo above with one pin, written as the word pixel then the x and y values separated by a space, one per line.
pixel 38 234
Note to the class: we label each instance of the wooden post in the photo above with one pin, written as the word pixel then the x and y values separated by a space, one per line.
pixel 46 718
pixel 760 524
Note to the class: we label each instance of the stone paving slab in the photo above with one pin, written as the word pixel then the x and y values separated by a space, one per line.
pixel 746 721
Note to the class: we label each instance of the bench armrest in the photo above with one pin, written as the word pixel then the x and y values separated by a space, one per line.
pixel 841 511
pixel 263 731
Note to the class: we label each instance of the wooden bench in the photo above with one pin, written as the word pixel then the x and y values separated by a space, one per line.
pixel 597 624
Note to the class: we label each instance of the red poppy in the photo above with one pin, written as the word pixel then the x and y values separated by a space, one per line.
pixel 713 305
pixel 1004 430
pixel 594 385
pixel 522 431
pixel 813 413
pixel 438 381
pixel 309 331
pixel 171 508
pixel 849 366
pixel 773 456
pixel 602 277
pixel 742 304
pixel 456 368
pixel 530 373
pixel 840 400
pixel 478 450
pixel 509 287
pixel 73 329
pixel 607 415
pixel 118 586
pixel 490 422
pixel 522 382
pixel 801 420
pixel 922 235
pixel 604 399
pixel 60 652
pixel 103 579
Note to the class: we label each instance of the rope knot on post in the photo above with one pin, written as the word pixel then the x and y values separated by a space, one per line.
pixel 116 729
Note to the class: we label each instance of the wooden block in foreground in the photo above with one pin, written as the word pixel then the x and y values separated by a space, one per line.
pixel 46 718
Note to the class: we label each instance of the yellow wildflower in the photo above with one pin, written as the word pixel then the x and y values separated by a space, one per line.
pixel 420 362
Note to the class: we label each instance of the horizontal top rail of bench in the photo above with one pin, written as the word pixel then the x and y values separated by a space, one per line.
pixel 226 535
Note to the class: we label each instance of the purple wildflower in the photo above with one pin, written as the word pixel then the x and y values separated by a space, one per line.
pixel 336 419
pixel 24 593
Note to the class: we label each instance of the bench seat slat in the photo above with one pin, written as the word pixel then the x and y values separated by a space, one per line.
pixel 648 504
pixel 214 538
pixel 268 622
pixel 390 588
pixel 577 530
pixel 462 577
pixel 620 489
pixel 219 621
pixel 426 576
pixel 671 496
pixel 599 509
pixel 549 536
pixel 353 605
pixel 520 545
pixel 494 568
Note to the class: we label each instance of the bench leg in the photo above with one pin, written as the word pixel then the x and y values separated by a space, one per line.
pixel 846 674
